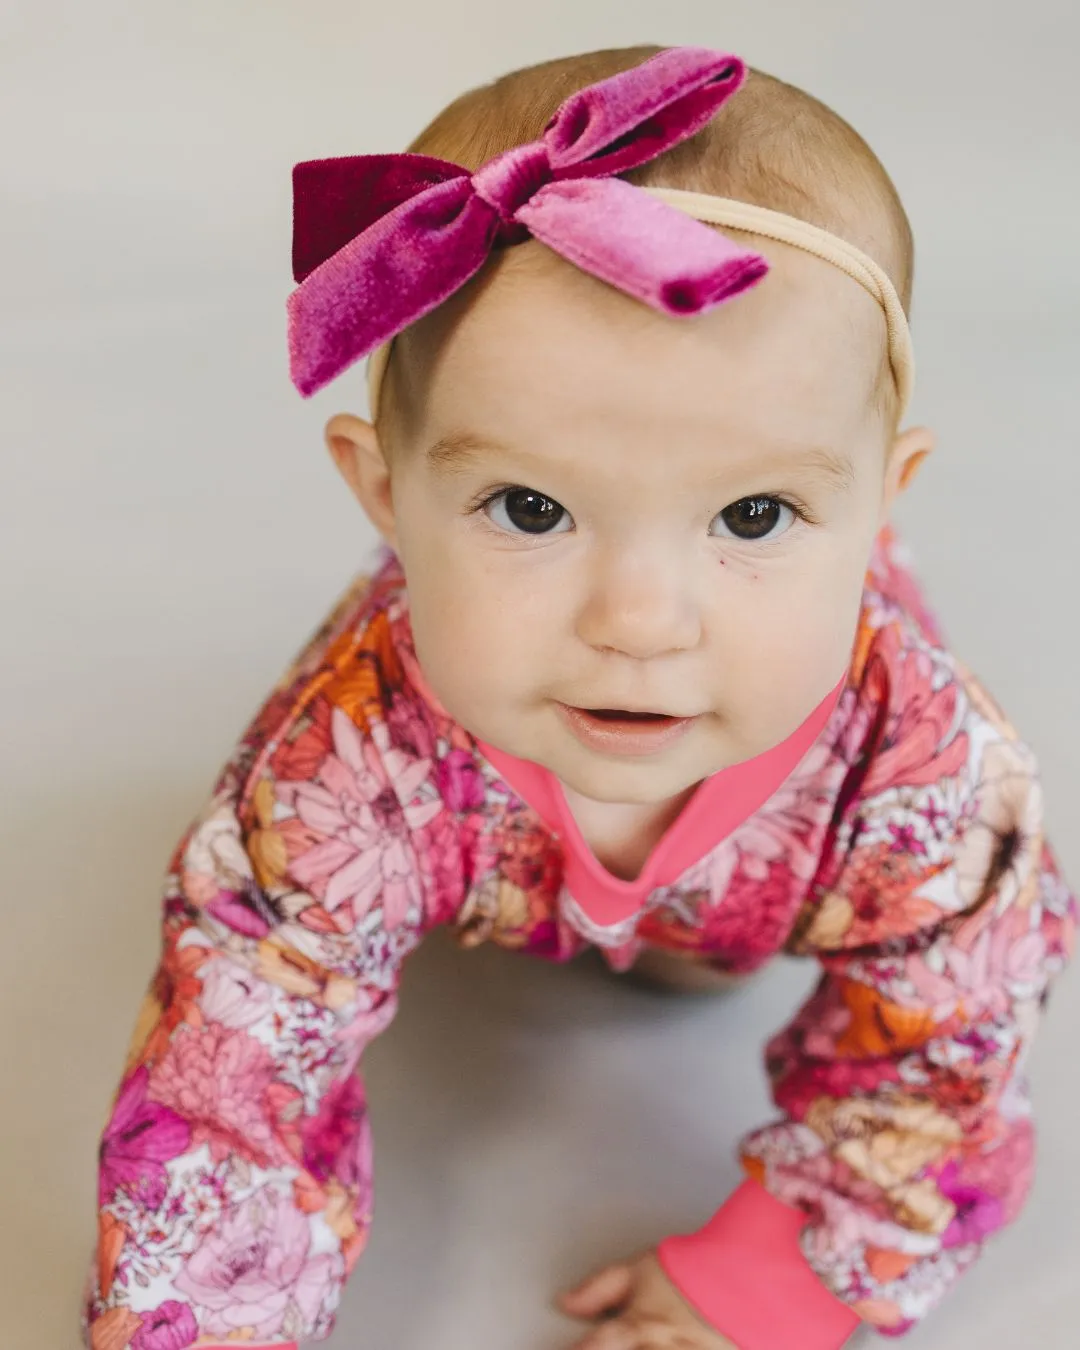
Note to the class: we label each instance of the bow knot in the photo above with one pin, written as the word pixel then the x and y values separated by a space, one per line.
pixel 511 179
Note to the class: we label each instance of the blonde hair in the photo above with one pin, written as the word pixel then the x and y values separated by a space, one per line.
pixel 772 144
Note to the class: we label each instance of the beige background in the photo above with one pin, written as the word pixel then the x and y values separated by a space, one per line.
pixel 171 530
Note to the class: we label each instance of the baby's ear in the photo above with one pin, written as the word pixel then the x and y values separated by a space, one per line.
pixel 908 451
pixel 354 448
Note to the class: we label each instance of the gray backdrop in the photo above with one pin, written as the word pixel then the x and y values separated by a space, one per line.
pixel 171 530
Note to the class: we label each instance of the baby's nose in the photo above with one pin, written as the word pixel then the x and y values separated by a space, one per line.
pixel 641 606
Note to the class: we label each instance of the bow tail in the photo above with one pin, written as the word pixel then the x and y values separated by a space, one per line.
pixel 640 245
pixel 388 277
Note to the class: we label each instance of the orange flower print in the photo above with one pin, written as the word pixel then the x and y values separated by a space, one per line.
pixel 886 1266
pixel 114 1329
pixel 306 744
pixel 879 1027
pixel 266 846
pixel 172 999
pixel 112 1234
pixel 367 674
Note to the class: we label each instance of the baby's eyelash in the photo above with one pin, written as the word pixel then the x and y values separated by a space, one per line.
pixel 793 503
pixel 488 495
pixel 485 497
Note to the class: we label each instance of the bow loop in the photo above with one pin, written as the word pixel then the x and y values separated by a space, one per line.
pixel 630 118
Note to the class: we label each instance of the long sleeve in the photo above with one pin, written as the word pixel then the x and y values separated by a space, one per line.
pixel 235 1190
pixel 940 920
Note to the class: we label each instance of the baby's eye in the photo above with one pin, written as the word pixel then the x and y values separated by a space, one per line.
pixel 753 518
pixel 522 509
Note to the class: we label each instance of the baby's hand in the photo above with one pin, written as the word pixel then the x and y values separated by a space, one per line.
pixel 641 1310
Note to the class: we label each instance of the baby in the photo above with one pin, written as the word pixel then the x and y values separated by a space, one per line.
pixel 641 669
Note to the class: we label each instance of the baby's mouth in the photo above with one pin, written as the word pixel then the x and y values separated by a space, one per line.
pixel 623 731
pixel 623 715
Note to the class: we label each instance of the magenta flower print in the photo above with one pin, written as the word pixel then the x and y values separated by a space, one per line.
pixel 256 1270
pixel 460 783
pixel 753 917
pixel 219 1078
pixel 171 1326
pixel 410 728
pixel 335 1142
pixel 140 1138
pixel 978 1214
pixel 356 803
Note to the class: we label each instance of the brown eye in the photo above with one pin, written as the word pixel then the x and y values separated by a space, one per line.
pixel 526 511
pixel 754 518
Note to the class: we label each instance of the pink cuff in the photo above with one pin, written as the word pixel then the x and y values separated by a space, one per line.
pixel 746 1275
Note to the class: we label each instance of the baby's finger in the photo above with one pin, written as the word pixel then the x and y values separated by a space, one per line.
pixel 617 1335
pixel 600 1293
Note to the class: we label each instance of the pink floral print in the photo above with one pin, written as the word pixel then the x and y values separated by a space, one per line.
pixel 361 804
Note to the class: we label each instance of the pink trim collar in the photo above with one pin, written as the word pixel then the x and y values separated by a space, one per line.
pixel 721 803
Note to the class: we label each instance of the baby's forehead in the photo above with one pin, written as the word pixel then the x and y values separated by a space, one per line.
pixel 537 331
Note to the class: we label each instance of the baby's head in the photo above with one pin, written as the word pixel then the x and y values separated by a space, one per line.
pixel 599 506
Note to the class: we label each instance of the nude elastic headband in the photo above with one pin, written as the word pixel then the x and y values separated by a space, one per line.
pixel 381 240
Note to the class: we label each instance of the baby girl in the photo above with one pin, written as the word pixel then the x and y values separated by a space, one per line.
pixel 640 668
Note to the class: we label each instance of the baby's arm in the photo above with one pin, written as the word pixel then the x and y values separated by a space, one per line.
pixel 907 1139
pixel 235 1170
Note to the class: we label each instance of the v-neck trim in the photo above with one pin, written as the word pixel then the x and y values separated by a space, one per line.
pixel 721 803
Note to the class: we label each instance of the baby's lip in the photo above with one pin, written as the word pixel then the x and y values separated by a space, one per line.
pixel 631 712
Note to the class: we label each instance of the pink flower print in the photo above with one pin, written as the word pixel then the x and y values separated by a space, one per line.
pixel 336 1141
pixel 218 1078
pixel 460 783
pixel 846 1212
pixel 918 750
pixel 1006 1170
pixel 983 970
pixel 256 1270
pixel 140 1138
pixel 356 805
pixel 171 1326
pixel 788 826
pixel 232 995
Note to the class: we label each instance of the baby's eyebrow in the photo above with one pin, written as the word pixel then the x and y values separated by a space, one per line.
pixel 457 451
pixel 822 462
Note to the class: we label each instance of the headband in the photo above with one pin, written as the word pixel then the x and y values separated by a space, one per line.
pixel 381 240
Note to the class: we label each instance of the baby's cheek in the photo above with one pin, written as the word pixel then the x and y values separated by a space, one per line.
pixel 784 652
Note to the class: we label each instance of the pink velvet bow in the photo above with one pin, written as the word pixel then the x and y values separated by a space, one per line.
pixel 381 240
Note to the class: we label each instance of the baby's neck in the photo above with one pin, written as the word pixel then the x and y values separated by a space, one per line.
pixel 621 835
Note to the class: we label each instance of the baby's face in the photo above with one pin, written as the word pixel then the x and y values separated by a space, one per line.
pixel 600 507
